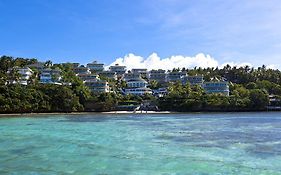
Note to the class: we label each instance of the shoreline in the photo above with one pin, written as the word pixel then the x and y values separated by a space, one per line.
pixel 119 112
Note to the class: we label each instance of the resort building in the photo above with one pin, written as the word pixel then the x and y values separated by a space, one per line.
pixel 39 66
pixel 138 91
pixel 130 75
pixel 142 72
pixel 50 76
pixel 137 83
pixel 161 92
pixel 216 86
pixel 86 77
pixel 81 70
pixel 97 86
pixel 175 76
pixel 157 75
pixel 120 70
pixel 193 80
pixel 108 74
pixel 95 67
pixel 24 75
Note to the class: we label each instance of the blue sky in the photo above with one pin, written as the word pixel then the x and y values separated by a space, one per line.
pixel 232 31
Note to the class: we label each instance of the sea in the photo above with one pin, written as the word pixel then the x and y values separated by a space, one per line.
pixel 141 144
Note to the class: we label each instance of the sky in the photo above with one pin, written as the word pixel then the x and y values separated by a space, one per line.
pixel 144 33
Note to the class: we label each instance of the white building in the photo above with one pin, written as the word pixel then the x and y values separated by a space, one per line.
pixel 25 74
pixel 175 76
pixel 50 76
pixel 120 70
pixel 108 74
pixel 138 91
pixel 193 80
pixel 97 86
pixel 137 83
pixel 86 77
pixel 216 86
pixel 81 70
pixel 95 67
pixel 157 75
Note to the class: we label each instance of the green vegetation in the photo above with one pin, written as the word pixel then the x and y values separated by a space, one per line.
pixel 249 90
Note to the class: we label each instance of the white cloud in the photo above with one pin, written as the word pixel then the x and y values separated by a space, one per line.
pixel 153 61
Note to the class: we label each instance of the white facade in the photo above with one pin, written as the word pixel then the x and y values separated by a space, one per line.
pixel 137 83
pixel 95 66
pixel 138 91
pixel 50 76
pixel 25 74
pixel 97 86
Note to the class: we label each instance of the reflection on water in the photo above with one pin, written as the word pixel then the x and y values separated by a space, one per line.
pixel 242 143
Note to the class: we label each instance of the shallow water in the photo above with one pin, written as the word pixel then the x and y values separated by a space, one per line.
pixel 216 143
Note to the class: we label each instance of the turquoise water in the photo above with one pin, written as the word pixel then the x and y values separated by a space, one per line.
pixel 229 143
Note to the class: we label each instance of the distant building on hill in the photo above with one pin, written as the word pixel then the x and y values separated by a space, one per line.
pixel 39 66
pixel 158 75
pixel 136 83
pixel 175 76
pixel 87 77
pixel 95 67
pixel 97 86
pixel 120 70
pixel 142 72
pixel 193 80
pixel 24 75
pixel 108 74
pixel 50 76
pixel 81 70
pixel 138 91
pixel 216 86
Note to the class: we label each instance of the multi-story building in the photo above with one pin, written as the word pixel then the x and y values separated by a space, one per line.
pixel 157 75
pixel 81 70
pixel 86 77
pixel 97 86
pixel 50 76
pixel 193 80
pixel 136 83
pixel 216 86
pixel 130 75
pixel 39 66
pixel 120 70
pixel 175 76
pixel 24 75
pixel 108 74
pixel 95 67
pixel 138 91
pixel 143 72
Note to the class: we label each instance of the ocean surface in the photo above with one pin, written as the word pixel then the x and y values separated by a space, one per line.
pixel 151 144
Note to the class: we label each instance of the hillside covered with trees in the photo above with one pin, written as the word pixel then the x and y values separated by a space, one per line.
pixel 250 90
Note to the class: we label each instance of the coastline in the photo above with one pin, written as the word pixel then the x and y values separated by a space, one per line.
pixel 119 112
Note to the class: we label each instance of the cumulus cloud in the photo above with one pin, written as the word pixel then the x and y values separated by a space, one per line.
pixel 153 61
